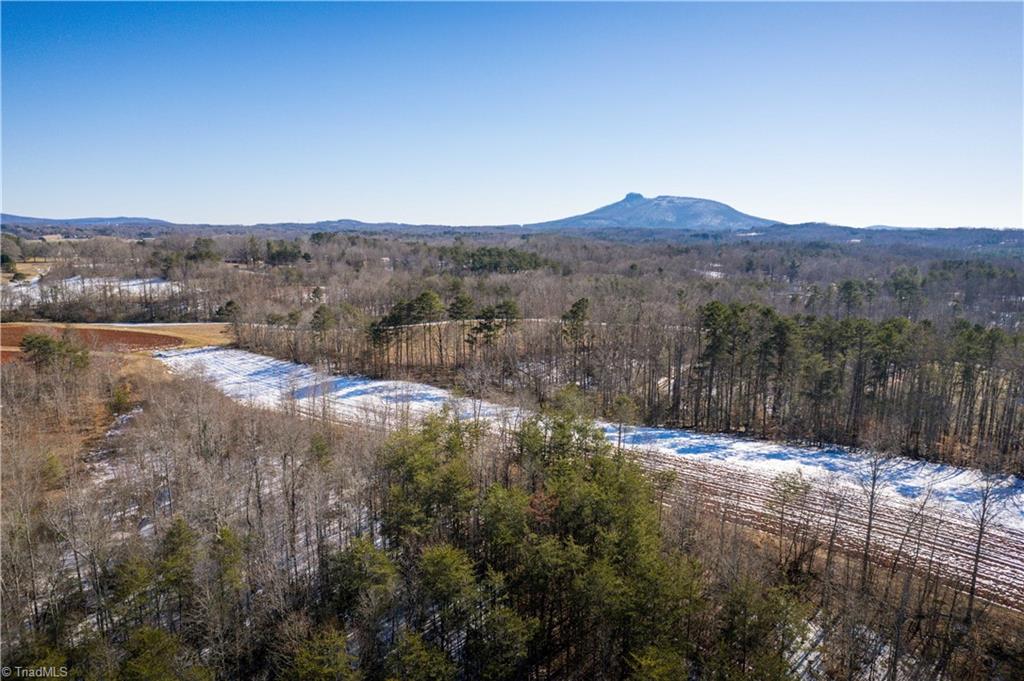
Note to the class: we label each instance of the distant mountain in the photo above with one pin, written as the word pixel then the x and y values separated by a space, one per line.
pixel 661 212
pixel 633 219
pixel 9 219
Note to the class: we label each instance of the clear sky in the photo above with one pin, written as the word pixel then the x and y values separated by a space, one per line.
pixel 860 114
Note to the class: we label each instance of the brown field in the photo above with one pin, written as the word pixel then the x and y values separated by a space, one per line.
pixel 106 338
pixel 30 268
pixel 116 340
pixel 191 335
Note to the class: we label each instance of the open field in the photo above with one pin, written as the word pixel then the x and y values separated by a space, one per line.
pixel 34 290
pixel 191 334
pixel 30 268
pixel 934 503
pixel 121 338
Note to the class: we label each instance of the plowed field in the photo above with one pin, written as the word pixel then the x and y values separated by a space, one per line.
pixel 112 340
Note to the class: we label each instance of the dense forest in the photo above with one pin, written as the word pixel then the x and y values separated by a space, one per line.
pixel 155 529
pixel 920 355
pixel 900 386
pixel 544 273
pixel 204 539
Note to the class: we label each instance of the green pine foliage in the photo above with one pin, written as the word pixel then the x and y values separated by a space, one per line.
pixel 48 352
pixel 491 259
pixel 557 566
pixel 563 565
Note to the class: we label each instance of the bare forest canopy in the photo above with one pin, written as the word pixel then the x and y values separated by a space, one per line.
pixel 154 529
pixel 866 346
pixel 201 538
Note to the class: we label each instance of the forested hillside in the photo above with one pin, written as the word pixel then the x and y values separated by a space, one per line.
pixel 919 354
pixel 207 539
pixel 155 529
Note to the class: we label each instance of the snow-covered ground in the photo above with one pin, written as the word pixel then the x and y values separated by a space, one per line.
pixel 930 505
pixel 956 489
pixel 35 290
pixel 267 382
pixel 270 382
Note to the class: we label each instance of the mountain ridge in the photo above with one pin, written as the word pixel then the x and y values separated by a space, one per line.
pixel 673 212
pixel 11 219
pixel 633 211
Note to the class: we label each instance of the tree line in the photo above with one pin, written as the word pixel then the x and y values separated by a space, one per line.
pixel 947 394
pixel 267 272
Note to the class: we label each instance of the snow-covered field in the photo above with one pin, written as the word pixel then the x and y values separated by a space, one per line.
pixel 269 382
pixel 955 489
pixel 739 471
pixel 35 290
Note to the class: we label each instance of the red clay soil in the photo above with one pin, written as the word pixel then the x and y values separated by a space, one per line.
pixel 116 340
pixel 8 355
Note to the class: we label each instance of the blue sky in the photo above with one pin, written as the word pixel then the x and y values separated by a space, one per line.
pixel 906 114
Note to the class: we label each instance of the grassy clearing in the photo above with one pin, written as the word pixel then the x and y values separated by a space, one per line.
pixel 30 268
